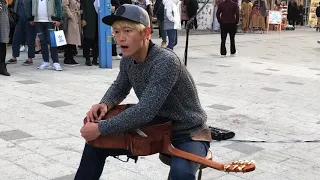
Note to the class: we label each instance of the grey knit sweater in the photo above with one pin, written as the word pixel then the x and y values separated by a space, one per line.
pixel 164 88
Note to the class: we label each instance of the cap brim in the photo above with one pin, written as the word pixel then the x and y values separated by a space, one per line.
pixel 109 20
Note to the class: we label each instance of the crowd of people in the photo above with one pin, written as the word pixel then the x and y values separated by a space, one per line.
pixel 28 23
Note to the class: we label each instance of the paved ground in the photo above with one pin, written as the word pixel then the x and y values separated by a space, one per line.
pixel 270 91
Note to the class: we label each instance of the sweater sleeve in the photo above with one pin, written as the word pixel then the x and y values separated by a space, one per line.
pixel 218 14
pixel 163 77
pixel 58 10
pixel 237 14
pixel 119 89
pixel 82 10
pixel 29 10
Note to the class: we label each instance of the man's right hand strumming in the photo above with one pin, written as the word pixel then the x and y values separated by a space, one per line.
pixel 92 115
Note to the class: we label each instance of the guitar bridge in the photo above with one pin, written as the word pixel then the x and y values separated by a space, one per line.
pixel 135 158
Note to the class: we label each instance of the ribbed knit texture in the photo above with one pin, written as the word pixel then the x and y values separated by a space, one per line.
pixel 164 88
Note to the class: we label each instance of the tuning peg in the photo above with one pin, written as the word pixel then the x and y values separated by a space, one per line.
pixel 226 167
pixel 235 162
pixel 252 162
pixel 234 167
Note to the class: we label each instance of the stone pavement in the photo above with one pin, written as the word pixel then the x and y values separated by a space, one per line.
pixel 270 91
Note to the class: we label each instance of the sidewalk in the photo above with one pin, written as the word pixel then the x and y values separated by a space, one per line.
pixel 270 92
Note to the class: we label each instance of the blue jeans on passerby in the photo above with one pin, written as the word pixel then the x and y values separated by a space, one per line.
pixel 173 38
pixel 24 29
pixel 162 31
pixel 93 160
pixel 43 30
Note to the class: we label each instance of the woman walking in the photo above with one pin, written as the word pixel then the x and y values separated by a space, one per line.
pixel 4 34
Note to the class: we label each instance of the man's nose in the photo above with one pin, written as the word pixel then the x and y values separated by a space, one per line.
pixel 122 37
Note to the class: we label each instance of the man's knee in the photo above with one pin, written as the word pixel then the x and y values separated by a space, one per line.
pixel 179 171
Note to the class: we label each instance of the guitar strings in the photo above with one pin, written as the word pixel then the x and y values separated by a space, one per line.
pixel 282 141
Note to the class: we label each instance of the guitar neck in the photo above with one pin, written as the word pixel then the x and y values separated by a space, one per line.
pixel 198 159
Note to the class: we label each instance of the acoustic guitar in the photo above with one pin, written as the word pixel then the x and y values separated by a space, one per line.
pixel 157 139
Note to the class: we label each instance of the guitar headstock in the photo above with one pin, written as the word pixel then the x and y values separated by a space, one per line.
pixel 240 166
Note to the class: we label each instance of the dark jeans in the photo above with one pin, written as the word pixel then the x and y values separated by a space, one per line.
pixel 173 38
pixel 24 29
pixel 93 160
pixel 90 43
pixel 3 52
pixel 162 32
pixel 43 30
pixel 226 29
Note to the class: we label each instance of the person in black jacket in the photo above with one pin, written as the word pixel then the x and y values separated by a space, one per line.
pixel 192 8
pixel 158 10
pixel 318 16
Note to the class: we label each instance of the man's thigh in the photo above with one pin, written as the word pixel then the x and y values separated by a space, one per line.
pixel 43 30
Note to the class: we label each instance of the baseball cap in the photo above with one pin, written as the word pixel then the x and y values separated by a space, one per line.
pixel 128 12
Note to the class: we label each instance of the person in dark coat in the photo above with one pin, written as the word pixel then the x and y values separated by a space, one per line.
pixel 192 8
pixel 158 10
pixel 4 36
pixel 89 22
pixel 293 13
pixel 318 17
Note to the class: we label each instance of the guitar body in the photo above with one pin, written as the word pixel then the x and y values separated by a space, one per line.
pixel 131 140
pixel 158 140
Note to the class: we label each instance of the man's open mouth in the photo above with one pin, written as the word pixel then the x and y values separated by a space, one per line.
pixel 124 47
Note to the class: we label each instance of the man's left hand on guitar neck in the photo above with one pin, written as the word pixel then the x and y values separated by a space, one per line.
pixel 90 131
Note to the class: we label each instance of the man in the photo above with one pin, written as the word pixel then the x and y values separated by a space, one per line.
pixel 171 21
pixel 192 9
pixel 89 22
pixel 159 12
pixel 23 29
pixel 318 17
pixel 4 35
pixel 115 5
pixel 165 90
pixel 228 17
pixel 45 16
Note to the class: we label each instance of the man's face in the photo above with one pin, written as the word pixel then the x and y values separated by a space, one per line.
pixel 129 39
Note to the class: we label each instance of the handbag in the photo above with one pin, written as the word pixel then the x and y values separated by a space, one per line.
pixel 57 38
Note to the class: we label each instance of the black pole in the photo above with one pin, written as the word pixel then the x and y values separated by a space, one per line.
pixel 188 30
pixel 186 48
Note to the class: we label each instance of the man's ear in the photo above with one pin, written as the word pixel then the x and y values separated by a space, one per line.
pixel 147 32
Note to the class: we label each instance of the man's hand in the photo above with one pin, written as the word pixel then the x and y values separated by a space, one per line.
pixel 92 115
pixel 32 23
pixel 83 23
pixel 90 131
pixel 56 23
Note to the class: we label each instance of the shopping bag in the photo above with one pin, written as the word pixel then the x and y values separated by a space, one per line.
pixel 57 38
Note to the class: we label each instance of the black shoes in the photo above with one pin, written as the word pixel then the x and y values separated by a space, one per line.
pixel 88 62
pixel 70 62
pixel 3 69
pixel 95 62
